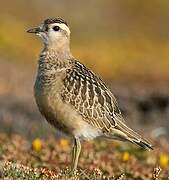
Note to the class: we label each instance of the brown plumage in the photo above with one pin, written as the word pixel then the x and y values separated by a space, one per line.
pixel 71 97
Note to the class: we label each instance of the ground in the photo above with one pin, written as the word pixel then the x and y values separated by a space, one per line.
pixel 50 158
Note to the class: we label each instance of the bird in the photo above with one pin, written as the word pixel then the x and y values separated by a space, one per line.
pixel 72 97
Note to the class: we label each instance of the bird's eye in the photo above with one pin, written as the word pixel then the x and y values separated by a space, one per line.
pixel 56 28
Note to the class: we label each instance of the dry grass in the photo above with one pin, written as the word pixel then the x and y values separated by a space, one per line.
pixel 99 160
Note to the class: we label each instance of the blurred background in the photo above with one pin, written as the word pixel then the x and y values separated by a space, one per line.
pixel 125 41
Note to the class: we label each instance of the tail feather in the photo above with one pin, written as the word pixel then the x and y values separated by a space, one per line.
pixel 143 144
pixel 125 133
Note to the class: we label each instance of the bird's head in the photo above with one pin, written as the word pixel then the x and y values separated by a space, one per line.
pixel 53 31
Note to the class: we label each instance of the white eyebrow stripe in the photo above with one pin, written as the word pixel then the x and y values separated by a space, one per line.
pixel 63 26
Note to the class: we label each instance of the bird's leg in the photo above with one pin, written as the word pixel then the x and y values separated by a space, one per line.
pixel 75 154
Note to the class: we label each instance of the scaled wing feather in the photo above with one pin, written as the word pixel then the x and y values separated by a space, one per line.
pixel 90 97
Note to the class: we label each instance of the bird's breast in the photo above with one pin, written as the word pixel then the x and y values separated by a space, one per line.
pixel 63 116
pixel 60 114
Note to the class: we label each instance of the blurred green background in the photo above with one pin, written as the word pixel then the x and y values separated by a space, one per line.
pixel 117 38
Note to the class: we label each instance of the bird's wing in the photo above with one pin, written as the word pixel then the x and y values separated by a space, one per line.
pixel 94 101
pixel 90 97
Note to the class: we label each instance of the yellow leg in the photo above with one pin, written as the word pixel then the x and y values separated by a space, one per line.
pixel 75 154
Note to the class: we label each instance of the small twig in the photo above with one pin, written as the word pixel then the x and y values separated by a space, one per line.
pixel 83 172
pixel 121 177
pixel 156 173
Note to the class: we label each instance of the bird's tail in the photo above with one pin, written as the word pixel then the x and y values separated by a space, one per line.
pixel 124 133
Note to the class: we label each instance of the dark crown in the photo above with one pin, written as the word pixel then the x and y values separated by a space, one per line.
pixel 55 20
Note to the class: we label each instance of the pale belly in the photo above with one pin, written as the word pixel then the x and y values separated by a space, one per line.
pixel 64 117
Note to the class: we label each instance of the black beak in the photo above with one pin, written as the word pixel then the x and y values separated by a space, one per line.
pixel 35 30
